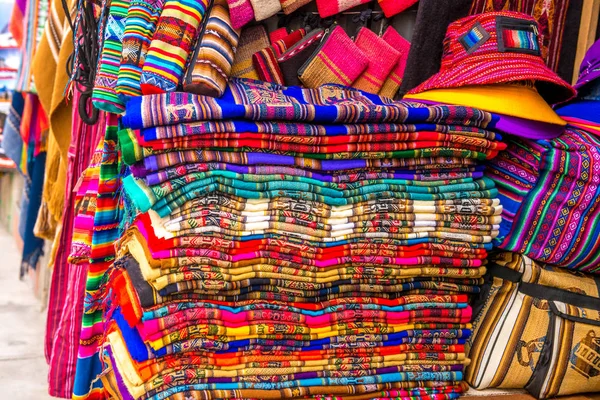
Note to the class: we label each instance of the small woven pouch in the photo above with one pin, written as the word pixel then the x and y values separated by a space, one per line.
pixel 292 60
pixel 382 59
pixel 264 9
pixel 265 61
pixel 337 60
pixel 281 46
pixel 289 6
pixel 172 44
pixel 252 39
pixel 240 12
pixel 210 67
pixel 393 7
pixel 140 24
pixel 394 80
pixel 327 8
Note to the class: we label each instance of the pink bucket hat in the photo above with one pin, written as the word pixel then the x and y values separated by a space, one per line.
pixel 496 47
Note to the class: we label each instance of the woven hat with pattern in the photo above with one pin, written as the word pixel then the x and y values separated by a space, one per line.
pixel 496 47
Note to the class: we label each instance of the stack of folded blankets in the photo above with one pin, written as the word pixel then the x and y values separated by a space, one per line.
pixel 297 243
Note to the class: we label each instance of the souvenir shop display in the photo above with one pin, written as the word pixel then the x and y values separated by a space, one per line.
pixel 302 264
pixel 296 199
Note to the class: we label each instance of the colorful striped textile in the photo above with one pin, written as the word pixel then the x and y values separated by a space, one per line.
pixel 286 242
pixel 265 61
pixel 557 219
pixel 140 24
pixel 262 101
pixel 516 172
pixel 211 65
pixel 104 96
pixel 65 298
pixel 102 253
pixel 172 45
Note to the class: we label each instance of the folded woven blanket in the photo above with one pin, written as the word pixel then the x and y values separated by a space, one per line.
pixel 302 129
pixel 262 101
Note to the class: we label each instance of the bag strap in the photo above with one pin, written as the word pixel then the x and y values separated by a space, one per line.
pixel 554 294
pixel 548 293
pixel 362 19
pixel 385 22
pixel 501 272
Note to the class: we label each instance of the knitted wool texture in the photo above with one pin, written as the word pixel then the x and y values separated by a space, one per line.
pixel 394 80
pixel 264 9
pixel 393 7
pixel 382 59
pixel 104 96
pixel 140 25
pixel 289 6
pixel 252 40
pixel 339 61
pixel 327 8
pixel 210 68
pixel 241 12
pixel 171 45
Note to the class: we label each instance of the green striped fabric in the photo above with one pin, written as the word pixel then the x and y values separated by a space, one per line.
pixel 104 96
pixel 140 25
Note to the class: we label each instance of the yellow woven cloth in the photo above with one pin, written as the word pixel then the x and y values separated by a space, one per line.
pixel 50 74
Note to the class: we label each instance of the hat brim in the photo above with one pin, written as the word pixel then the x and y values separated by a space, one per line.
pixel 587 78
pixel 584 80
pixel 502 69
pixel 513 100
pixel 585 110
